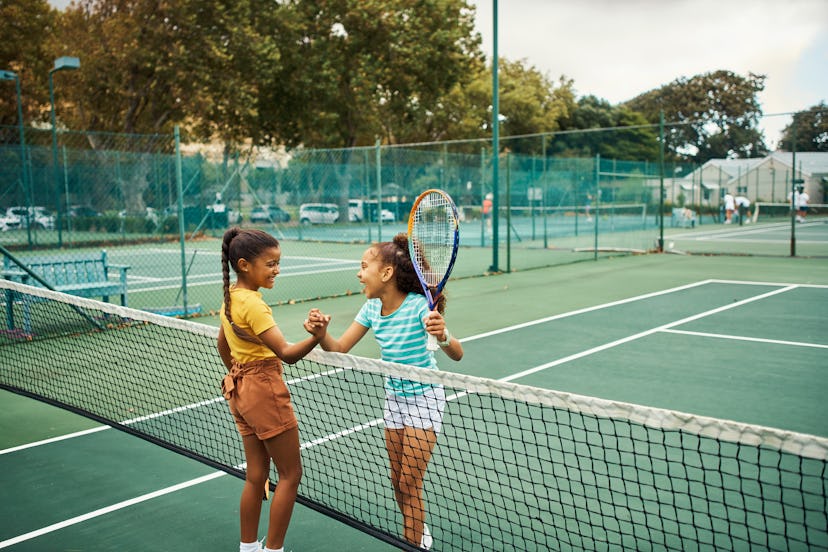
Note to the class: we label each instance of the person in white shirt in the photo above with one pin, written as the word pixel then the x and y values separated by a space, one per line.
pixel 743 205
pixel 729 206
pixel 802 205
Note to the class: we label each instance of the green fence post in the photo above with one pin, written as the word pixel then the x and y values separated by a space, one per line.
pixel 495 144
pixel 482 196
pixel 543 193
pixel 793 186
pixel 661 181
pixel 179 183
pixel 379 190
pixel 508 212
pixel 597 214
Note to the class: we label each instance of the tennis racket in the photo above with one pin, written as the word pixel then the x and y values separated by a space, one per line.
pixel 433 239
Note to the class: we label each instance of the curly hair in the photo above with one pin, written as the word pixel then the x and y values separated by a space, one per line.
pixel 395 253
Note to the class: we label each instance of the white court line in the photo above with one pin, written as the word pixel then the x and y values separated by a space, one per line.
pixel 54 439
pixel 585 310
pixel 375 422
pixel 645 333
pixel 727 231
pixel 776 284
pixel 108 509
pixel 746 338
pixel 218 282
pixel 772 242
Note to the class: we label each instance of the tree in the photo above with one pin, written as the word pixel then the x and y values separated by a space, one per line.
pixel 614 132
pixel 22 50
pixel 811 130
pixel 358 70
pixel 530 104
pixel 147 65
pixel 713 115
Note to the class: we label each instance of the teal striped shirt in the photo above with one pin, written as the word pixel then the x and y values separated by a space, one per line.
pixel 402 338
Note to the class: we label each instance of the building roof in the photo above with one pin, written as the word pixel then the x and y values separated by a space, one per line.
pixel 809 162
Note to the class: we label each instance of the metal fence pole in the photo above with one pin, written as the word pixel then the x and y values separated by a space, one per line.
pixel 179 183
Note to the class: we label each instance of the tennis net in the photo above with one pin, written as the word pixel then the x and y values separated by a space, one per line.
pixel 515 467
pixel 777 212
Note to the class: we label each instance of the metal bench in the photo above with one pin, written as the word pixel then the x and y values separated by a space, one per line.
pixel 82 276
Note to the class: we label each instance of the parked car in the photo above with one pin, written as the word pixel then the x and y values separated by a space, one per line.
pixel 9 223
pixel 269 213
pixel 77 211
pixel 361 210
pixel 38 217
pixel 318 213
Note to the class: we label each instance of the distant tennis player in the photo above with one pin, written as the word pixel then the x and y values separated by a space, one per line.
pixel 743 206
pixel 488 205
pixel 729 207
pixel 253 349
pixel 397 311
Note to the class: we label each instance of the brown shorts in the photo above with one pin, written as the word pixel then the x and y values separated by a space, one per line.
pixel 259 398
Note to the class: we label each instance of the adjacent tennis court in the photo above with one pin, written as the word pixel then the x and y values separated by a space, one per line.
pixel 741 339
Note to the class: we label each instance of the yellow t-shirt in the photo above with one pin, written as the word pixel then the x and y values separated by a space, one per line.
pixel 254 316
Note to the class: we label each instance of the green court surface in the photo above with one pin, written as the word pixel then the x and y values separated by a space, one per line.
pixel 738 338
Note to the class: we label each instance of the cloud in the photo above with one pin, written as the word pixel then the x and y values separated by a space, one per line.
pixel 617 50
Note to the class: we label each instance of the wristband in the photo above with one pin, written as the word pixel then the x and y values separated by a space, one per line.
pixel 445 342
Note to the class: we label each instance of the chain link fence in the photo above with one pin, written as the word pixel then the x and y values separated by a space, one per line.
pixel 161 207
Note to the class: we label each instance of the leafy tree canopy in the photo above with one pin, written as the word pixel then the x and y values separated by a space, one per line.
pixel 811 130
pixel 632 138
pixel 366 69
pixel 713 115
pixel 23 50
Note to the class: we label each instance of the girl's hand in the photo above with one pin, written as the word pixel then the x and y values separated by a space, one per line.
pixel 435 324
pixel 317 323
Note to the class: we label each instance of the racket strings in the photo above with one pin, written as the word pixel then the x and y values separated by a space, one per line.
pixel 433 237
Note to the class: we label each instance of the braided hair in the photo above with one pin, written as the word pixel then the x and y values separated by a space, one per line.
pixel 395 253
pixel 241 244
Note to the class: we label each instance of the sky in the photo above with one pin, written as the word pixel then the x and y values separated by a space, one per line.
pixel 618 49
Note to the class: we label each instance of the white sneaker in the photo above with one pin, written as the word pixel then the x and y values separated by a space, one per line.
pixel 426 541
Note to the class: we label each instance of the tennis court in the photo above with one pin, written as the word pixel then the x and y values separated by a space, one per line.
pixel 742 339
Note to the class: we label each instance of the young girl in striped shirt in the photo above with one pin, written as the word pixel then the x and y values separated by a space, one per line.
pixel 398 313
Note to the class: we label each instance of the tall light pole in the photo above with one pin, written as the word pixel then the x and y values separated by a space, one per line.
pixel 11 75
pixel 61 64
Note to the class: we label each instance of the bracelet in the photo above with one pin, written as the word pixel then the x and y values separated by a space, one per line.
pixel 447 341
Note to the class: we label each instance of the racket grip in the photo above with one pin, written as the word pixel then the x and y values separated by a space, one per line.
pixel 431 342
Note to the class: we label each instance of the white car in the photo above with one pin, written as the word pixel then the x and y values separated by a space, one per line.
pixel 357 207
pixel 39 217
pixel 388 216
pixel 318 213
pixel 9 223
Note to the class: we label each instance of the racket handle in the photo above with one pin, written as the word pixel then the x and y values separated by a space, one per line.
pixel 431 343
